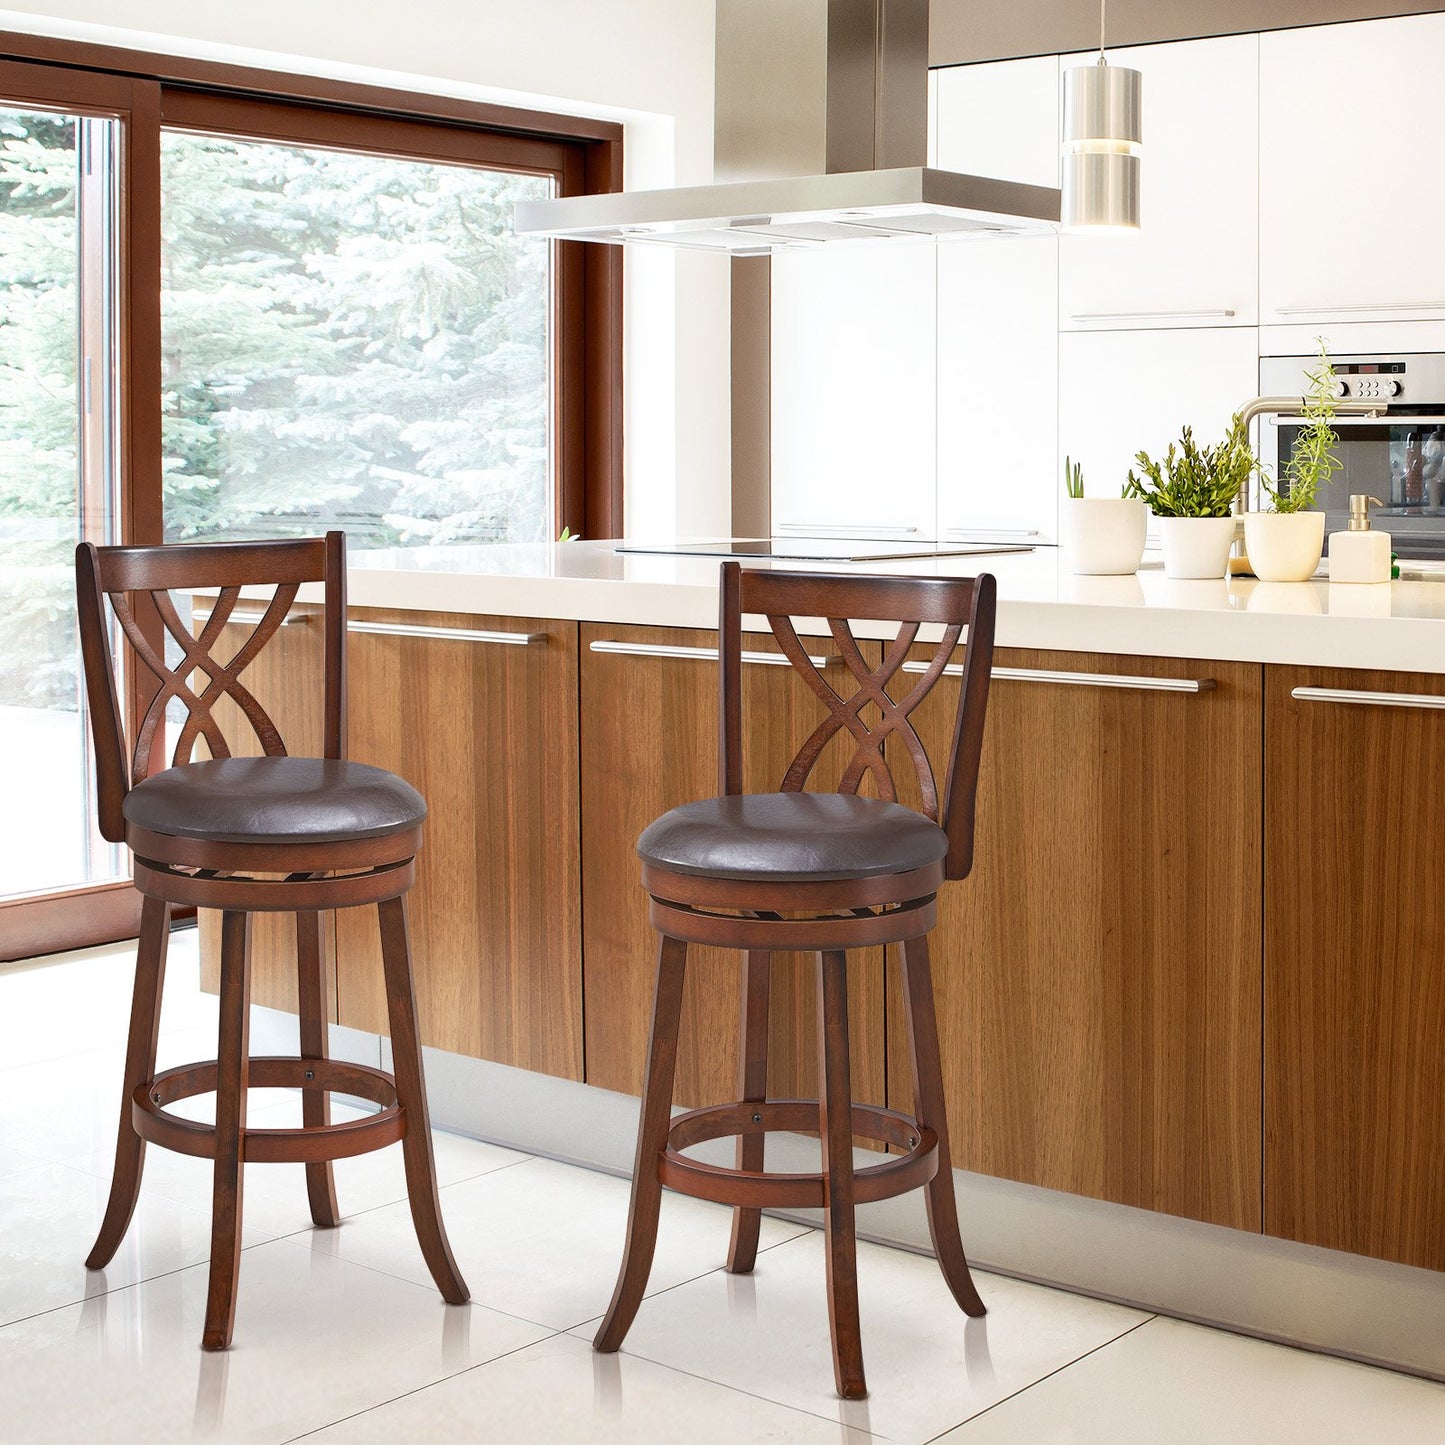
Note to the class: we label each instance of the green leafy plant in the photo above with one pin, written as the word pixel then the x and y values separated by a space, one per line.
pixel 1313 461
pixel 1073 479
pixel 1195 481
pixel 568 535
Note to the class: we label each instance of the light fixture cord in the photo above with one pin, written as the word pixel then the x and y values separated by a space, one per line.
pixel 1102 5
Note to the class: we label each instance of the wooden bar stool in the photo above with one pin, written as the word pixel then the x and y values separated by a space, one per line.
pixel 246 835
pixel 814 871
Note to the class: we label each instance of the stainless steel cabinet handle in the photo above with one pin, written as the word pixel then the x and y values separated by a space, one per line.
pixel 1083 679
pixel 449 634
pixel 862 530
pixel 1222 313
pixel 1360 306
pixel 696 654
pixel 1369 699
pixel 990 534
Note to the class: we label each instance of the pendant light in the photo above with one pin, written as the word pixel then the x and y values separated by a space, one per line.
pixel 1099 162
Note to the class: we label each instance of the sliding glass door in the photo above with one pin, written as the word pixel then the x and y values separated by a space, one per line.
pixel 58 479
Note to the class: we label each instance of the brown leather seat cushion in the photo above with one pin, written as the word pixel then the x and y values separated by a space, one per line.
pixel 269 800
pixel 789 837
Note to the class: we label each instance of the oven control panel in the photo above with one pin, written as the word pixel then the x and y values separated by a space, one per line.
pixel 1367 388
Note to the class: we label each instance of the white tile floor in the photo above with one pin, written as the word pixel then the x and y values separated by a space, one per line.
pixel 340 1336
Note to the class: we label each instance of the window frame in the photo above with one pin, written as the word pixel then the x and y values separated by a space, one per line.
pixel 147 92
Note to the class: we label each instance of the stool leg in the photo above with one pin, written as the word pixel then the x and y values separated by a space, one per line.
pixel 928 1110
pixel 651 1140
pixel 421 1178
pixel 835 1131
pixel 232 1076
pixel 752 1088
pixel 140 1067
pixel 315 1103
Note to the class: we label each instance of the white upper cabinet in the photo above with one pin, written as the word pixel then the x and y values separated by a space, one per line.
pixel 997 315
pixel 1193 261
pixel 998 350
pixel 1000 120
pixel 853 415
pixel 1352 125
pixel 1122 392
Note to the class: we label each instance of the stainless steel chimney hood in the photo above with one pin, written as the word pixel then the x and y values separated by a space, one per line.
pixel 873 135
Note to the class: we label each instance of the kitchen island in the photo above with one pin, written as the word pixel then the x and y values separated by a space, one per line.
pixel 1040 605
pixel 1190 998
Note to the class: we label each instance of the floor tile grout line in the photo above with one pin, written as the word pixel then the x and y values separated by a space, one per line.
pixel 1023 1390
pixel 752 1395
pixel 430 1384
pixel 691 1279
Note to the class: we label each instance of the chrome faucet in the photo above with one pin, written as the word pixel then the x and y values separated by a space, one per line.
pixel 1291 406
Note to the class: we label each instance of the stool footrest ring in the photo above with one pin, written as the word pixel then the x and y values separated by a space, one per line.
pixel 756 1188
pixel 301 1145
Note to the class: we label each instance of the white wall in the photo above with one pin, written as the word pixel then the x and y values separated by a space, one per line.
pixel 646 63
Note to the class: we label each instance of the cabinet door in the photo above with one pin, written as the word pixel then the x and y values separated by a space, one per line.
pixel 1349 219
pixel 1098 974
pixel 998 376
pixel 853 391
pixel 1193 261
pixel 1000 120
pixel 1354 1065
pixel 998 315
pixel 487 732
pixel 1123 391
pixel 649 742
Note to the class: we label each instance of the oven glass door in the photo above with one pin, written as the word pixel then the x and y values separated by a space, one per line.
pixel 1400 460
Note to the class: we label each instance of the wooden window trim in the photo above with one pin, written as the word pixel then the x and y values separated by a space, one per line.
pixel 147 90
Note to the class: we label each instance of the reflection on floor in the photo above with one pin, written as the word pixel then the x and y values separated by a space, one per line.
pixel 340 1334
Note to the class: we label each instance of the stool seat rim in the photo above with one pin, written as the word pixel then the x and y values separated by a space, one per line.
pixel 268 800
pixel 792 837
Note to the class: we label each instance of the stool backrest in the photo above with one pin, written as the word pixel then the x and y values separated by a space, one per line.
pixel 960 605
pixel 146 576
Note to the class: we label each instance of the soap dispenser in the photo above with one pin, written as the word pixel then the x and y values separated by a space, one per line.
pixel 1360 554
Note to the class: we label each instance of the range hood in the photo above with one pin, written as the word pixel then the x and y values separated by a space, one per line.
pixel 869 127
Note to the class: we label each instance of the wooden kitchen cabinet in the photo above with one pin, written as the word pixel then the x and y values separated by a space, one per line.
pixel 486 730
pixel 1354 1064
pixel 1098 975
pixel 649 725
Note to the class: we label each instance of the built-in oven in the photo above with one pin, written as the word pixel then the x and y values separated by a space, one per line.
pixel 1398 456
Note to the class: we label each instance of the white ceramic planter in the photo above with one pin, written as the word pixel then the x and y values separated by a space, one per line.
pixel 1284 546
pixel 1196 546
pixel 1102 536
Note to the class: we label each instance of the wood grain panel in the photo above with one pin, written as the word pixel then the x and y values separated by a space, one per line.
pixel 649 742
pixel 1098 974
pixel 488 734
pixel 288 680
pixel 1355 968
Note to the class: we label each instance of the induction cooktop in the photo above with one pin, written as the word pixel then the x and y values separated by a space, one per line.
pixel 818 549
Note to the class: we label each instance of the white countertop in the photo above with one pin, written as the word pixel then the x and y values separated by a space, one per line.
pixel 1397 626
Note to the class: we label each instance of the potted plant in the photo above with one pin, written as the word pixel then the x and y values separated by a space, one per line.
pixel 1285 544
pixel 1192 491
pixel 1099 536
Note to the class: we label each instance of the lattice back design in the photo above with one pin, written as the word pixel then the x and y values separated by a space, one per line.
pixel 218 679
pixel 844 714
